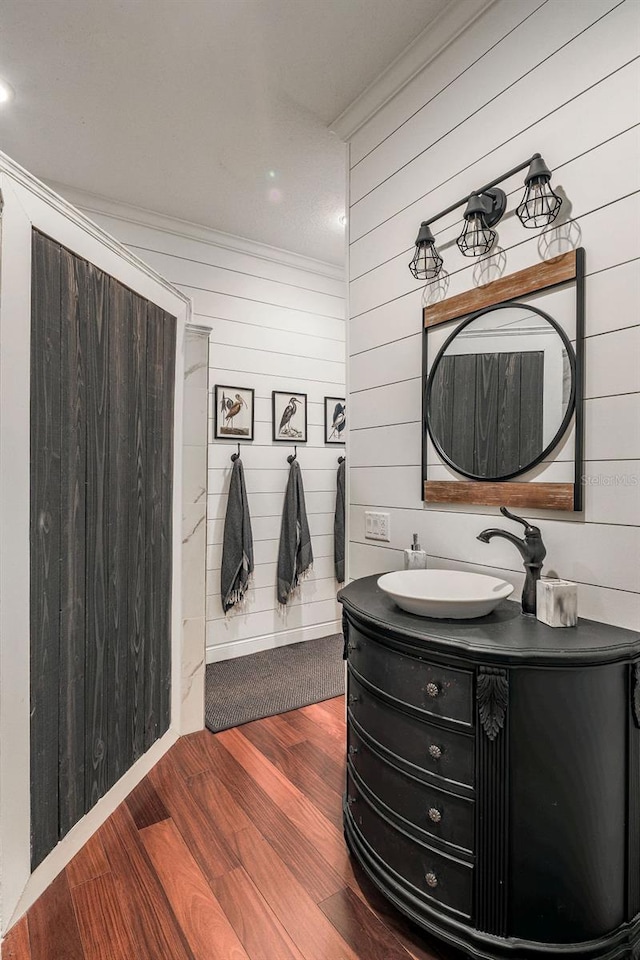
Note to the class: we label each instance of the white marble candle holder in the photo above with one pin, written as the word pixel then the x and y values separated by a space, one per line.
pixel 415 559
pixel 557 602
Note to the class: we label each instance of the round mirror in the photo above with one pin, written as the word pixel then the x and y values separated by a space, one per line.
pixel 501 392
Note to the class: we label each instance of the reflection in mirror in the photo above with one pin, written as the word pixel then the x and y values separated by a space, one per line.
pixel 500 392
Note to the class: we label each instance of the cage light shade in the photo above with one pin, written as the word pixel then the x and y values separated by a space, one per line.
pixel 483 211
pixel 477 238
pixel 426 263
pixel 540 205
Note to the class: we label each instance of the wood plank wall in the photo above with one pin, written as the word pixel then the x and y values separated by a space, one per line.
pixel 555 77
pixel 102 384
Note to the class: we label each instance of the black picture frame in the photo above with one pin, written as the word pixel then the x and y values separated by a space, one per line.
pixel 224 428
pixel 294 432
pixel 333 435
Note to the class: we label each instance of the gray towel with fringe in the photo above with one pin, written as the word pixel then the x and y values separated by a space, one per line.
pixel 237 542
pixel 295 555
pixel 338 524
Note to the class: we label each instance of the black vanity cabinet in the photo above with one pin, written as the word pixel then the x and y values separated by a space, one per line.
pixel 493 785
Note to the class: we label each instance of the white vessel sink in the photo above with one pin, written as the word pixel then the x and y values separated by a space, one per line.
pixel 442 594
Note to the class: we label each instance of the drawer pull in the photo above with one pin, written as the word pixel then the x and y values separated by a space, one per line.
pixel 352 800
pixel 432 880
pixel 435 751
pixel 433 690
pixel 435 815
pixel 353 698
pixel 353 749
pixel 353 646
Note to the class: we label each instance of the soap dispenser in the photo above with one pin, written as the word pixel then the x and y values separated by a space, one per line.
pixel 414 557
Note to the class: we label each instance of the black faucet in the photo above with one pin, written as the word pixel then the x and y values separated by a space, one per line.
pixel 533 553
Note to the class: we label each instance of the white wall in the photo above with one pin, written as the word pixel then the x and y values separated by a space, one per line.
pixel 277 322
pixel 194 525
pixel 284 331
pixel 559 77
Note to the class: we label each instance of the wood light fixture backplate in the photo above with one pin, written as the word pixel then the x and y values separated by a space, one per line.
pixel 565 269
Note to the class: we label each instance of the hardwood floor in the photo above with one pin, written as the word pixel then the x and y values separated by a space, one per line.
pixel 231 849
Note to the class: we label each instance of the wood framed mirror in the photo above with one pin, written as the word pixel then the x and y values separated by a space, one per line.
pixel 502 391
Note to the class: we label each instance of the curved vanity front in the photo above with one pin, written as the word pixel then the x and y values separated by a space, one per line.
pixel 493 784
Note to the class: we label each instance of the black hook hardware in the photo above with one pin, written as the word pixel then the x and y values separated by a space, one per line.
pixel 341 459
pixel 235 456
pixel 293 456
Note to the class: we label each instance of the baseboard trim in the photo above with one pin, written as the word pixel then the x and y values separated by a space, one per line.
pixel 55 862
pixel 241 648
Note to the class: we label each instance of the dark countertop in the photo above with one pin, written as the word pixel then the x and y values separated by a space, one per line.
pixel 505 635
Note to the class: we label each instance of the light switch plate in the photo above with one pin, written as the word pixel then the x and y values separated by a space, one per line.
pixel 377 526
pixel 385 521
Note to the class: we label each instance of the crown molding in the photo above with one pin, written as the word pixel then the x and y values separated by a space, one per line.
pixel 198 330
pixel 66 208
pixel 433 41
pixel 117 210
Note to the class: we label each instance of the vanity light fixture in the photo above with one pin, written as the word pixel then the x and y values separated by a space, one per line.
pixel 427 262
pixel 484 208
pixel 483 212
pixel 540 205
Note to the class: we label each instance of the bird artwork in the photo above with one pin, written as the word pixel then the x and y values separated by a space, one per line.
pixel 338 422
pixel 287 415
pixel 230 406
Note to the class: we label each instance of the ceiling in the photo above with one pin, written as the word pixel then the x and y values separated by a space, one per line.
pixel 214 111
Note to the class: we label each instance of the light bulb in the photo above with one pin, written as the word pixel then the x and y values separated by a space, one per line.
pixel 476 239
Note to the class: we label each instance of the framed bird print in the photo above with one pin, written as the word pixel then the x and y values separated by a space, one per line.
pixel 289 416
pixel 233 412
pixel 335 419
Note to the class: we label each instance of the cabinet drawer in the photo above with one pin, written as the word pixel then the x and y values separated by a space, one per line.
pixel 435 876
pixel 442 753
pixel 437 690
pixel 434 812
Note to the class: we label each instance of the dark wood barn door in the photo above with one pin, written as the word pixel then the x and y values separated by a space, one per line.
pixel 102 385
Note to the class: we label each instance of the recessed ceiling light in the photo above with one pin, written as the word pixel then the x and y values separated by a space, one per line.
pixel 6 91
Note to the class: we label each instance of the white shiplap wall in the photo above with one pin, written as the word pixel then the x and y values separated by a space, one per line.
pixel 293 339
pixel 559 77
pixel 277 323
pixel 284 331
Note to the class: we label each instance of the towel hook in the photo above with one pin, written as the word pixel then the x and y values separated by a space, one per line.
pixel 293 456
pixel 235 456
pixel 341 459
